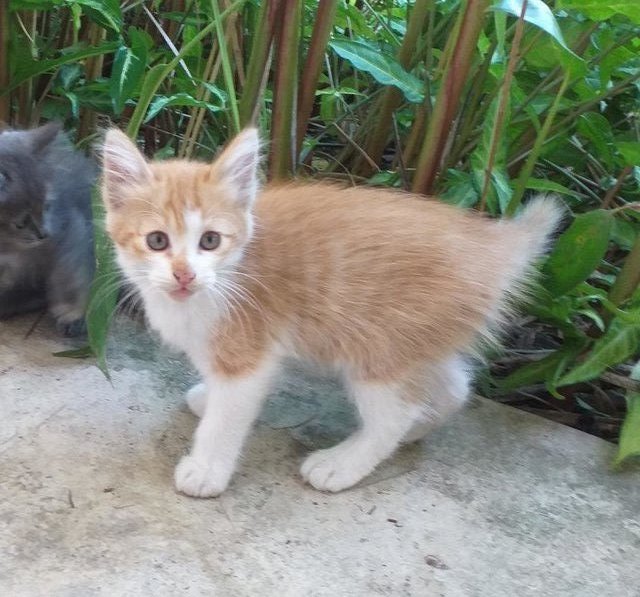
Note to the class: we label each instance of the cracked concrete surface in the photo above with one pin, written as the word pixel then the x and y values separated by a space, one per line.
pixel 496 503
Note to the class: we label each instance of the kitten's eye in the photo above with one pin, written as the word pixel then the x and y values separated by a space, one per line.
pixel 210 240
pixel 4 179
pixel 157 240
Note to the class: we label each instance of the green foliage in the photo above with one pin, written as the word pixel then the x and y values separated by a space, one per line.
pixel 462 100
pixel 381 67
pixel 629 436
pixel 577 252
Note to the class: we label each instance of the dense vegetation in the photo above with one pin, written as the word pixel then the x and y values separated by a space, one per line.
pixel 475 101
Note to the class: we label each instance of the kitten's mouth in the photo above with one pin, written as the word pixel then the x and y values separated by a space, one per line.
pixel 181 293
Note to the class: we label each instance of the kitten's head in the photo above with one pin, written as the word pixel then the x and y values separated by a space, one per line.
pixel 178 225
pixel 23 191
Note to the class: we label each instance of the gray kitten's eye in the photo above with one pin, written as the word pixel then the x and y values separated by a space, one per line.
pixel 4 179
pixel 157 240
pixel 210 240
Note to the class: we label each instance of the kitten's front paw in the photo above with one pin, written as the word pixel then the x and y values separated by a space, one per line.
pixel 69 319
pixel 199 480
pixel 335 469
pixel 196 398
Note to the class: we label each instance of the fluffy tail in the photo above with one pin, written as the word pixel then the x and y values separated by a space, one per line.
pixel 525 239
pixel 537 222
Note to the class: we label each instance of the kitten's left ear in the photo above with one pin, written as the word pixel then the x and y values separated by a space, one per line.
pixel 123 166
pixel 237 166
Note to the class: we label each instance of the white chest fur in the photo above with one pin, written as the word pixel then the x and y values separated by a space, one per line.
pixel 187 326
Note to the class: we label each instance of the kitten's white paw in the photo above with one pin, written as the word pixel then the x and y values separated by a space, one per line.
pixel 196 398
pixel 199 480
pixel 337 468
pixel 418 431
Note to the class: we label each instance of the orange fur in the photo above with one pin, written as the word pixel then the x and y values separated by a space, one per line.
pixel 375 278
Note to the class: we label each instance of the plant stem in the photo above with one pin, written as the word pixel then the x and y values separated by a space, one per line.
pixel 527 169
pixel 611 193
pixel 283 131
pixel 628 279
pixel 471 20
pixel 392 98
pixel 227 72
pixel 259 58
pixel 580 109
pixel 313 65
pixel 505 90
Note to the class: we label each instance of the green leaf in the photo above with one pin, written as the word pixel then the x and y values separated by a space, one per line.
pixel 76 353
pixel 630 151
pixel 629 444
pixel 152 81
pixel 179 99
pixel 31 68
pixel 602 10
pixel 542 184
pixel 460 189
pixel 578 251
pixel 384 69
pixel 104 289
pixel 549 367
pixel 621 341
pixel 596 128
pixel 106 13
pixel 537 13
pixel 624 233
pixel 128 69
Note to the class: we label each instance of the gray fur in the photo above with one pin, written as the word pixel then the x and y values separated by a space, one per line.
pixel 46 234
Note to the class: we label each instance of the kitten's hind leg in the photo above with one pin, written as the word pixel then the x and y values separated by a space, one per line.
pixel 391 414
pixel 444 389
pixel 232 405
pixel 386 419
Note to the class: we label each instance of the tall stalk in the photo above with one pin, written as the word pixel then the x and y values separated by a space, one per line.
pixel 449 98
pixel 93 70
pixel 226 66
pixel 313 65
pixel 259 59
pixel 527 169
pixel 628 279
pixel 505 91
pixel 283 130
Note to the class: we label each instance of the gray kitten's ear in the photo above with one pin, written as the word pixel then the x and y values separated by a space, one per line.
pixel 40 138
pixel 237 166
pixel 123 166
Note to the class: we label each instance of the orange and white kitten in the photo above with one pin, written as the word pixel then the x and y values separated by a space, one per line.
pixel 389 289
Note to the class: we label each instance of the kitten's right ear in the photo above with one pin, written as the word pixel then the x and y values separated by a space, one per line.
pixel 123 166
pixel 237 166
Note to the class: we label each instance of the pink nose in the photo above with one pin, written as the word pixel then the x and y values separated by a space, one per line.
pixel 184 277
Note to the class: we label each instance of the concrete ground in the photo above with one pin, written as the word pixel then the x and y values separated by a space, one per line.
pixel 497 503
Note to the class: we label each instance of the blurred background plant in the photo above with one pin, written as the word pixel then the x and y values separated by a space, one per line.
pixel 475 101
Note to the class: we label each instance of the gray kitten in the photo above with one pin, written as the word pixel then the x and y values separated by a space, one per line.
pixel 46 244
